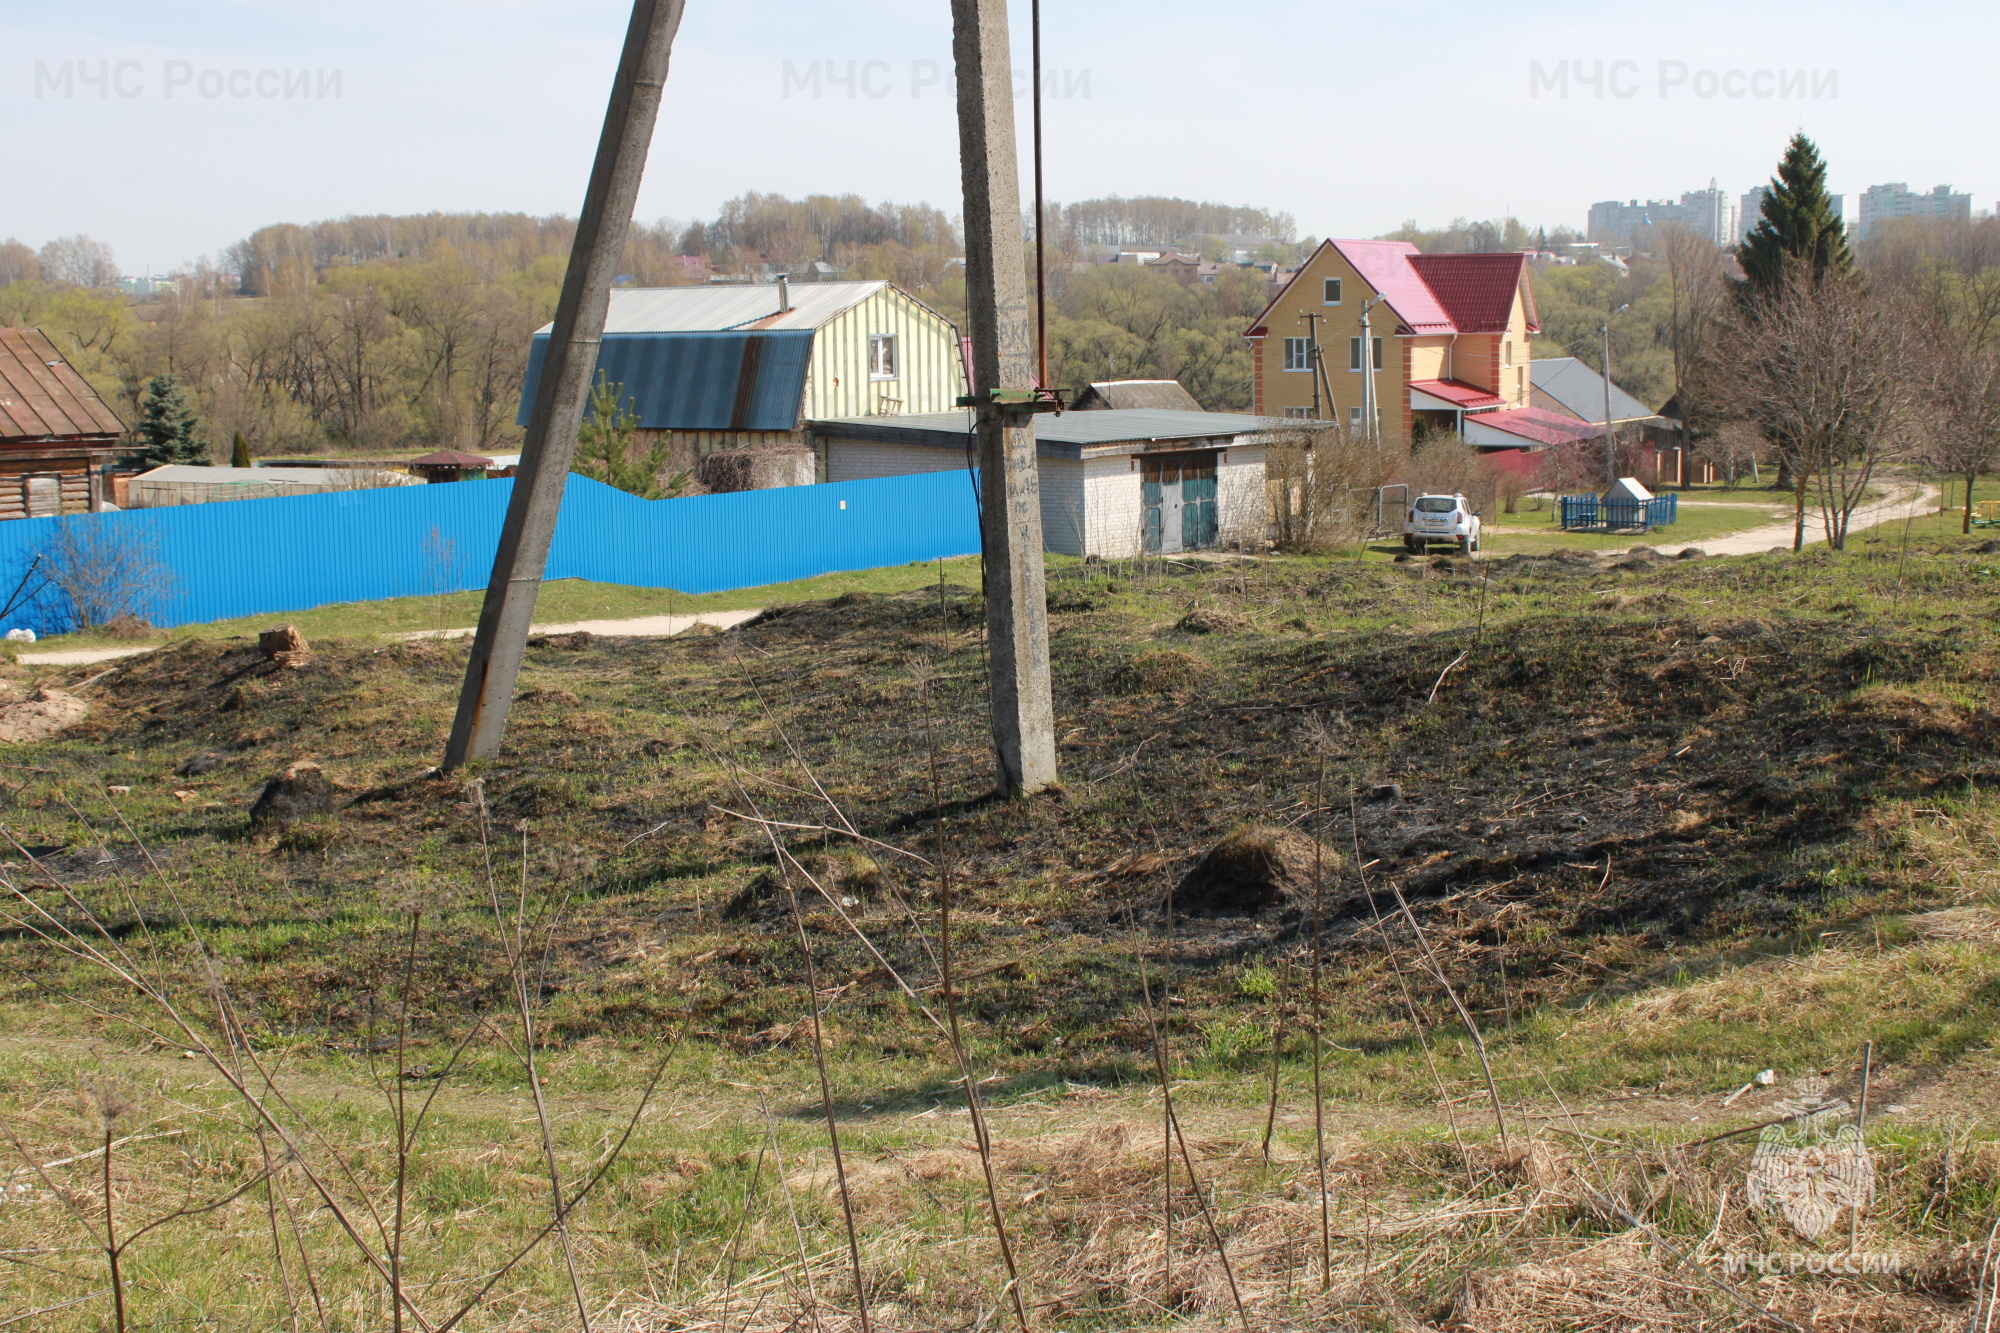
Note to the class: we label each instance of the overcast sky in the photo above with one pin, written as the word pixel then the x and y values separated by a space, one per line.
pixel 184 126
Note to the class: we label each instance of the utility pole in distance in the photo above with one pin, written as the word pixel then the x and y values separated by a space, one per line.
pixel 1370 410
pixel 1312 319
pixel 1610 442
pixel 1004 401
pixel 564 388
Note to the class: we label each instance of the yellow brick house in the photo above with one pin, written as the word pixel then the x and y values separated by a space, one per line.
pixel 1450 339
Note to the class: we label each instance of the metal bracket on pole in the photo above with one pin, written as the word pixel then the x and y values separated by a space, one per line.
pixel 1018 400
pixel 557 415
pixel 1005 401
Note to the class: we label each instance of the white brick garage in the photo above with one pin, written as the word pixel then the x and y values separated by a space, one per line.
pixel 1095 468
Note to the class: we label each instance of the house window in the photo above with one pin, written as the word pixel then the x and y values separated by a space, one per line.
pixel 1329 291
pixel 881 356
pixel 1354 353
pixel 42 496
pixel 1507 353
pixel 1354 421
pixel 1298 354
pixel 1299 413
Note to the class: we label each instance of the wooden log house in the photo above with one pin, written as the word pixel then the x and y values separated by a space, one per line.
pixel 56 434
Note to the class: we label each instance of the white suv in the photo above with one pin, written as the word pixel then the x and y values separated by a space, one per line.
pixel 1441 518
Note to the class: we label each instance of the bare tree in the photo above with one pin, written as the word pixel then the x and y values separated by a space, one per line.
pixel 102 568
pixel 17 262
pixel 1698 284
pixel 1960 412
pixel 1821 367
pixel 1946 274
pixel 1322 481
pixel 79 261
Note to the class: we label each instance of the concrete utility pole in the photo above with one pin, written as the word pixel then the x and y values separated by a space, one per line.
pixel 1610 443
pixel 1371 413
pixel 1610 440
pixel 550 443
pixel 1004 400
pixel 1312 320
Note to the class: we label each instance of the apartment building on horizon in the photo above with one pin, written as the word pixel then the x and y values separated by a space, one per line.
pixel 1708 212
pixel 1887 203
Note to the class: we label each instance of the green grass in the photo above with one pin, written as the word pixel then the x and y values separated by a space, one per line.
pixel 561 601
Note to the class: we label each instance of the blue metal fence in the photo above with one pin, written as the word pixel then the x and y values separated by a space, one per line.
pixel 1586 512
pixel 253 557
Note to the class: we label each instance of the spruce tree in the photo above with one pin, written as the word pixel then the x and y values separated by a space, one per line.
pixel 239 453
pixel 1798 230
pixel 169 431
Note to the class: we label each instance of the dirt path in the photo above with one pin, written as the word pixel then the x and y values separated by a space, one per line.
pixel 638 627
pixel 1906 501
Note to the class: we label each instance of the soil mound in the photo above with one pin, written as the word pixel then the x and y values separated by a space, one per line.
pixel 851 879
pixel 299 792
pixel 1213 620
pixel 1256 868
pixel 40 716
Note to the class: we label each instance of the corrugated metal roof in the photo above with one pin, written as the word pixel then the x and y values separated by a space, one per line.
pixel 1457 393
pixel 323 477
pixel 1476 291
pixel 1530 423
pixel 42 396
pixel 726 306
pixel 698 381
pixel 1574 388
pixel 1109 426
pixel 1170 395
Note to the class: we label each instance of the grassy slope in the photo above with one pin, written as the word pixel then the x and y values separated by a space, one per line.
pixel 1665 826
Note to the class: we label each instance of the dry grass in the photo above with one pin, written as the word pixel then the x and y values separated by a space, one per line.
pixel 1650 851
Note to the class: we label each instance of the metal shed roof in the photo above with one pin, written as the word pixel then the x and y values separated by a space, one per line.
pixel 723 307
pixel 41 395
pixel 1072 433
pixel 1170 395
pixel 1574 388
pixel 697 381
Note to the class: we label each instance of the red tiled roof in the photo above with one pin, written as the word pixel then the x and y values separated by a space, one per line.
pixel 1538 425
pixel 1458 393
pixel 41 395
pixel 1476 291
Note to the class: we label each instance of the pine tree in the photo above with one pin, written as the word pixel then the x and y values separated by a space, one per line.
pixel 604 449
pixel 169 430
pixel 1799 229
pixel 239 453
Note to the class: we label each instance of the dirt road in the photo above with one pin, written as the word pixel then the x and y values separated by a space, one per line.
pixel 1906 501
pixel 638 627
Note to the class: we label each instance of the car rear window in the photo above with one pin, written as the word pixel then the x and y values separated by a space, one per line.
pixel 1436 504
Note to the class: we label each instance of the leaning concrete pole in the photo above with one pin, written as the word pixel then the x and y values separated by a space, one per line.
pixel 1017 622
pixel 565 384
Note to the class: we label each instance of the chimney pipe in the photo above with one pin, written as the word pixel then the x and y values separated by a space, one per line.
pixel 784 292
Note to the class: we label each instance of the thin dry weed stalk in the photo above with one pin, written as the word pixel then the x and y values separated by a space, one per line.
pixel 1322 741
pixel 517 974
pixel 1390 952
pixel 1016 1295
pixel 275 1114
